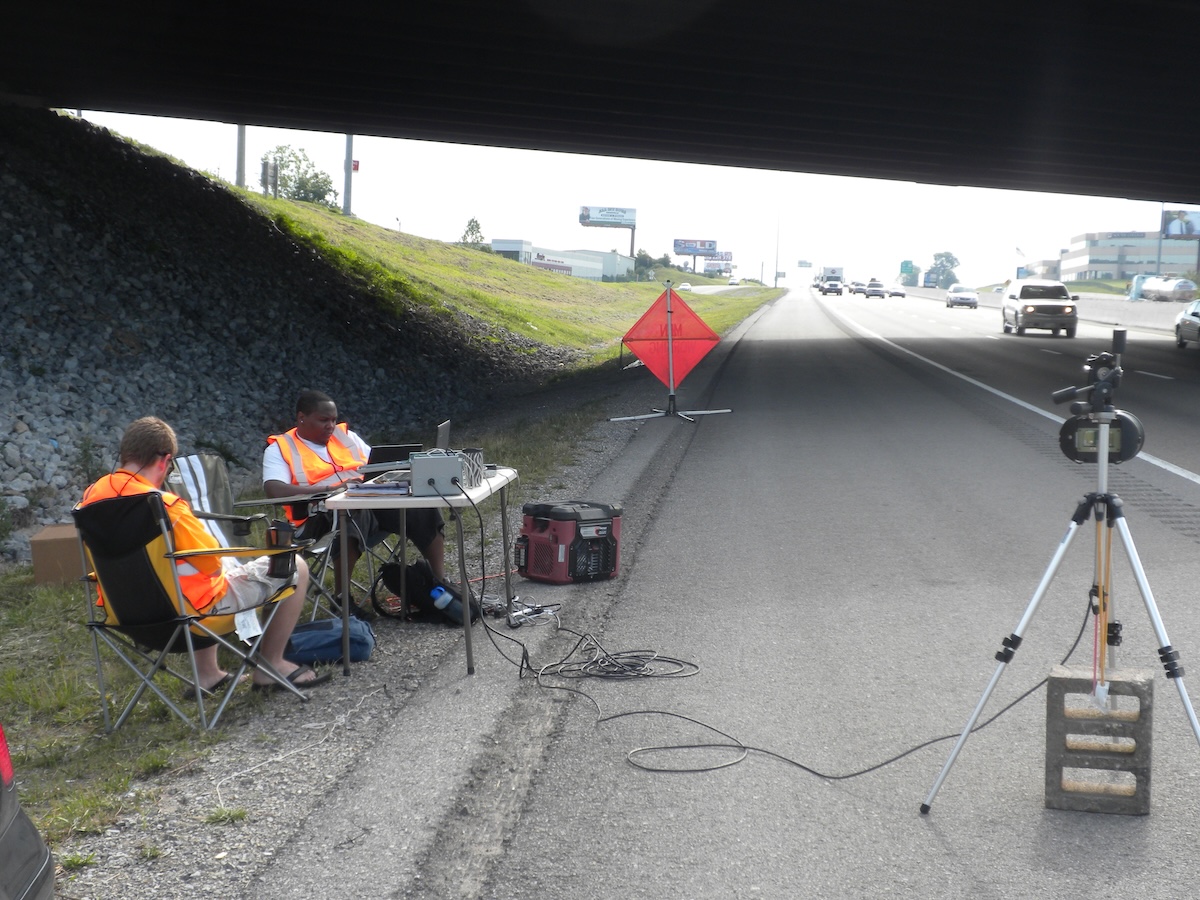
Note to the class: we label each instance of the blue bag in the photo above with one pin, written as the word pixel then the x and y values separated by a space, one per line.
pixel 321 641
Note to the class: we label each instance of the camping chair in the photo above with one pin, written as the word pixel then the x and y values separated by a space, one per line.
pixel 203 481
pixel 128 547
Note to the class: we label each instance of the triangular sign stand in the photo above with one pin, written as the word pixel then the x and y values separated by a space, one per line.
pixel 670 339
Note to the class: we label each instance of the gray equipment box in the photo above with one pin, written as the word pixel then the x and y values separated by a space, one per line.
pixel 441 466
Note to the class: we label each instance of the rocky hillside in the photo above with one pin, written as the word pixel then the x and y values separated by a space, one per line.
pixel 132 286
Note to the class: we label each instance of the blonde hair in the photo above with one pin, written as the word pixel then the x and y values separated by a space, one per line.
pixel 147 439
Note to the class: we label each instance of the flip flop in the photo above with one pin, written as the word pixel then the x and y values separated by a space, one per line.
pixel 296 673
pixel 190 693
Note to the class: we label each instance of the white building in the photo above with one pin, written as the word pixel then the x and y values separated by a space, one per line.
pixel 590 264
pixel 1123 254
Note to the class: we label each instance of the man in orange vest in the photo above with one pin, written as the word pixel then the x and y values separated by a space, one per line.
pixel 319 455
pixel 212 584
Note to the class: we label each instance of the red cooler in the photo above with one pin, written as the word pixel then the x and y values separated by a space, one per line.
pixel 575 540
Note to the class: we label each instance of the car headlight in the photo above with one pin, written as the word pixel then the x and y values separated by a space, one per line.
pixel 1029 309
pixel 1068 310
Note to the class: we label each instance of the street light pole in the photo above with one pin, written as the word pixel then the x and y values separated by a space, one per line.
pixel 776 253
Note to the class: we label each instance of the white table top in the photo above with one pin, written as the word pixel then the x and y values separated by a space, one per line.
pixel 494 480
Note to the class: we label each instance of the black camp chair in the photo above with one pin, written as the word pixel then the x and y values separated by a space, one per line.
pixel 145 619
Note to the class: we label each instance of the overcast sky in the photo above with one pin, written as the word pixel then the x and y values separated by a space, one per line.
pixel 867 226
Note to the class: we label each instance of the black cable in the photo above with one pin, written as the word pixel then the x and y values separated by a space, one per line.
pixel 600 663
pixel 524 663
pixel 740 749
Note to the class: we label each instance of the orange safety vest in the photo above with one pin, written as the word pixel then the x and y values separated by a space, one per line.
pixel 201 578
pixel 309 470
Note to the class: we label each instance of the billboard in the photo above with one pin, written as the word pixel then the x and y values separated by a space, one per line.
pixel 695 248
pixel 1181 224
pixel 608 216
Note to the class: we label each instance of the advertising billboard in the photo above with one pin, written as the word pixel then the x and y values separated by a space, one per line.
pixel 608 217
pixel 695 248
pixel 1181 224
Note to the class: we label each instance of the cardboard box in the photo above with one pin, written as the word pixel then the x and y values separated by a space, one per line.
pixel 56 558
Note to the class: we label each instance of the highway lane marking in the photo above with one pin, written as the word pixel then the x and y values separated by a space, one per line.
pixel 1052 352
pixel 1155 375
pixel 1163 464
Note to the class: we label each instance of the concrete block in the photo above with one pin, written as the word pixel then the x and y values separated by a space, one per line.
pixel 1098 758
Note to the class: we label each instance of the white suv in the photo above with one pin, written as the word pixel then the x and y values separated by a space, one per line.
pixel 1039 303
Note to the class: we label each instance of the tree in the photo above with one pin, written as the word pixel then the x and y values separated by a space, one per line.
pixel 642 264
pixel 943 267
pixel 299 178
pixel 473 235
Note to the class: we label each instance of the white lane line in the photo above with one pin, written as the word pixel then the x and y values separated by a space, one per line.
pixel 1155 375
pixel 1153 460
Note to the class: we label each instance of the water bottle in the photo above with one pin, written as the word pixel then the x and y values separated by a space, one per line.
pixel 450 605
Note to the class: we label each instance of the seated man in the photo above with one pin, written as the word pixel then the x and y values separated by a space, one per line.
pixel 320 455
pixel 212 584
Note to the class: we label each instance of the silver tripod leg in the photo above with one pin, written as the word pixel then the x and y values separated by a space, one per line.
pixel 1011 643
pixel 1166 653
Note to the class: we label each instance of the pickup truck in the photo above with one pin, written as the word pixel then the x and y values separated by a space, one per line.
pixel 832 286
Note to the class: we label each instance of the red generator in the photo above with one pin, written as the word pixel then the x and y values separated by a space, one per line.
pixel 574 540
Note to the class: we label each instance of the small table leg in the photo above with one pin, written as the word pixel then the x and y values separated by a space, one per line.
pixel 464 589
pixel 508 592
pixel 344 550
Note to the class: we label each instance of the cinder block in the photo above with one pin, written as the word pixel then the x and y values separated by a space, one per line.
pixel 1098 759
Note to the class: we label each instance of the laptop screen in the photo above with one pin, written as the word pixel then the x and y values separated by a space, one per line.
pixel 443 436
pixel 390 453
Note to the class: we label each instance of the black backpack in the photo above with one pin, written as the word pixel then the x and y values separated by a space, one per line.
pixel 417 582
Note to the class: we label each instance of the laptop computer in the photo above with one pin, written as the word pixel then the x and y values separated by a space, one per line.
pixel 388 458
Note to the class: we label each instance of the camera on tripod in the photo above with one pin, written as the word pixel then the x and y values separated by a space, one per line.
pixel 1081 435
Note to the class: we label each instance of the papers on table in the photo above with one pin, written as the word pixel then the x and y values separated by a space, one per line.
pixel 389 484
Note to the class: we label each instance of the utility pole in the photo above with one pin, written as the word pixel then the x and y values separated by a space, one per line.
pixel 776 253
pixel 1162 214
pixel 240 178
pixel 349 172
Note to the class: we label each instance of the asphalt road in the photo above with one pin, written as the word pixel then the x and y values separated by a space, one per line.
pixel 838 558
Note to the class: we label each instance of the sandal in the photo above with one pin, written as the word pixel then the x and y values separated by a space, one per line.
pixel 298 672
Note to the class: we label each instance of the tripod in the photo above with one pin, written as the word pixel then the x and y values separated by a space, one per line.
pixel 1101 434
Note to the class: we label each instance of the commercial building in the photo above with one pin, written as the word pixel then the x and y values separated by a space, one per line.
pixel 1124 254
pixel 590 264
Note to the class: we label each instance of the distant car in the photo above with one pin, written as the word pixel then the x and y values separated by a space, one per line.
pixel 875 289
pixel 1187 324
pixel 1039 303
pixel 897 290
pixel 832 286
pixel 857 287
pixel 28 868
pixel 961 295
pixel 686 286
pixel 998 289
pixel 734 281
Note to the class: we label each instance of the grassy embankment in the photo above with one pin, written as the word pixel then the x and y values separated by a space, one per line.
pixel 76 779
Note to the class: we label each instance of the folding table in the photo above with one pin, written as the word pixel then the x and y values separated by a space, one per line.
pixel 495 481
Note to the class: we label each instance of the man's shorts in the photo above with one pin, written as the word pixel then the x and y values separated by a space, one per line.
pixel 370 526
pixel 247 585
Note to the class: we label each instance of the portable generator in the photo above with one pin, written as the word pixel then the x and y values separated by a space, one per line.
pixel 575 540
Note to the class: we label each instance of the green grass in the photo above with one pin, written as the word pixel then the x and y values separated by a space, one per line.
pixel 404 271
